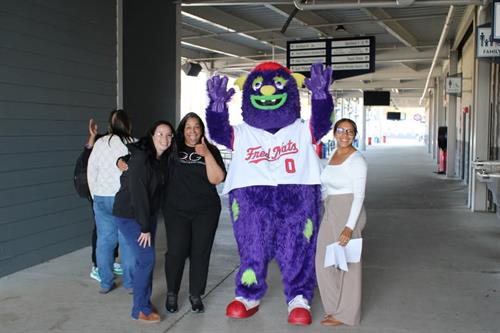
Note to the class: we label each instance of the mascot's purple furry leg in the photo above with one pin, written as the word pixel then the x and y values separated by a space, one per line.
pixel 276 222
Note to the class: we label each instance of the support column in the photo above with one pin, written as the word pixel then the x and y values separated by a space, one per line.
pixel 362 141
pixel 119 54
pixel 151 62
pixel 451 122
pixel 480 126
pixel 430 108
pixel 434 122
pixel 440 114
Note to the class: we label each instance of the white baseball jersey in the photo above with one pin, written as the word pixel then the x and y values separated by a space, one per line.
pixel 263 158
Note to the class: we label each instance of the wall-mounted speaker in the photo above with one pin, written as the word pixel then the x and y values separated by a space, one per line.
pixel 191 68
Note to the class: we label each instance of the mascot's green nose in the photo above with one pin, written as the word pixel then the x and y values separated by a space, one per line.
pixel 267 90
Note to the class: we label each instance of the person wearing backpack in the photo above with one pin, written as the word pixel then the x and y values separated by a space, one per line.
pixel 82 188
pixel 104 182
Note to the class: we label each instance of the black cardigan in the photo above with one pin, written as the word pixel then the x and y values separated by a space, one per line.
pixel 140 193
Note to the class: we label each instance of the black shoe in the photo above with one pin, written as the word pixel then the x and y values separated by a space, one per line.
pixel 196 304
pixel 171 303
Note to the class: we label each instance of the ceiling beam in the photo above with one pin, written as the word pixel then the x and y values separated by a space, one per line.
pixel 413 67
pixel 392 27
pixel 306 19
pixel 326 25
pixel 465 22
pixel 220 46
pixel 407 55
pixel 205 3
pixel 221 17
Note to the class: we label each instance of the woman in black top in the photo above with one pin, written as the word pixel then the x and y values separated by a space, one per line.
pixel 135 208
pixel 191 211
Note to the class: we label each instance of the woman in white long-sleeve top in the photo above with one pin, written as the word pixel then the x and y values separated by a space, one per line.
pixel 343 180
pixel 104 181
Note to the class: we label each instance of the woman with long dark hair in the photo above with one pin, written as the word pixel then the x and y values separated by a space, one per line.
pixel 191 211
pixel 344 181
pixel 104 181
pixel 136 207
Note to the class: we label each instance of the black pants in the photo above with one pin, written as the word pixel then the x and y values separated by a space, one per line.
pixel 190 234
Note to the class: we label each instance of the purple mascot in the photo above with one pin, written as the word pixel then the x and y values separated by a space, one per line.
pixel 273 181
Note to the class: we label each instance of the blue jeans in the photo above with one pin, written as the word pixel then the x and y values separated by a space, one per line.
pixel 107 238
pixel 143 259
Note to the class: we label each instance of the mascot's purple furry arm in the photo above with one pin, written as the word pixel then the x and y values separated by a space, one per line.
pixel 273 181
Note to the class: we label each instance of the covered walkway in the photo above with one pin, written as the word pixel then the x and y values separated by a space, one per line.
pixel 430 265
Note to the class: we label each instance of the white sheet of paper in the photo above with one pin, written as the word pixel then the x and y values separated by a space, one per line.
pixel 339 256
pixel 354 249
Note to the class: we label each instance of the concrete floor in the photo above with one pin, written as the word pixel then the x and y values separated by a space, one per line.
pixel 430 265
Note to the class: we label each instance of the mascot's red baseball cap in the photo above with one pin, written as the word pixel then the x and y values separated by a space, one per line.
pixel 270 66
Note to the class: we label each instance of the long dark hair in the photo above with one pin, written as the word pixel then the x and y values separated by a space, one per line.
pixel 180 132
pixel 146 144
pixel 119 125
pixel 182 126
pixel 350 121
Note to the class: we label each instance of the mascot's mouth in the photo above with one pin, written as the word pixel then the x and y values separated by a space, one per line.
pixel 271 102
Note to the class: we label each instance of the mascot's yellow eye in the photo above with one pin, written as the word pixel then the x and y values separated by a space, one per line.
pixel 257 83
pixel 279 82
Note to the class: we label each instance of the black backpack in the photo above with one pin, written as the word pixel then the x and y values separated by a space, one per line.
pixel 80 174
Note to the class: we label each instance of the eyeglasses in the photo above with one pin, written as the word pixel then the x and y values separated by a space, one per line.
pixel 164 135
pixel 348 131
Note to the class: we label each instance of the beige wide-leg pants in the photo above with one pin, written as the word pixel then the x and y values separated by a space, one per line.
pixel 340 291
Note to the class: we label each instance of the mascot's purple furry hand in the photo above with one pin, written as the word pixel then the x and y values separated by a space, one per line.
pixel 218 93
pixel 320 81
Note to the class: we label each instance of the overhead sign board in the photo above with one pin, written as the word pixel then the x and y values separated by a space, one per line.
pixel 347 56
pixel 496 20
pixel 486 46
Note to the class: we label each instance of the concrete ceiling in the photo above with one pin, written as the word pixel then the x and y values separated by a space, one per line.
pixel 231 37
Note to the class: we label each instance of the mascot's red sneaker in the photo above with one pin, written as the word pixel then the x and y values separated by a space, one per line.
pixel 242 308
pixel 298 311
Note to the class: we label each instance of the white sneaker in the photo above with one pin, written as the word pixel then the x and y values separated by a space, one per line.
pixel 94 274
pixel 298 302
pixel 117 269
pixel 248 303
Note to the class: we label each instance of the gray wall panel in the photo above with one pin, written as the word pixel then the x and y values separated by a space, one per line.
pixel 37 127
pixel 57 69
pixel 33 94
pixel 13 213
pixel 66 245
pixel 42 192
pixel 32 144
pixel 53 64
pixel 24 178
pixel 38 111
pixel 36 241
pixel 45 79
pixel 18 162
pixel 39 224
pixel 84 20
pixel 50 48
